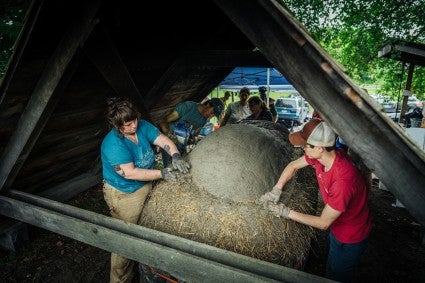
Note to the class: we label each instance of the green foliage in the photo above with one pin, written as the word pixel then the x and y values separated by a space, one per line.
pixel 353 31
pixel 12 15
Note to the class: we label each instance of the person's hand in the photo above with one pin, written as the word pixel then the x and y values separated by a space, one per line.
pixel 180 164
pixel 272 196
pixel 278 210
pixel 168 175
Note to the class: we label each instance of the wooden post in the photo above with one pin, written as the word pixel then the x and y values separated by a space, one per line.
pixel 102 52
pixel 43 91
pixel 407 94
pixel 185 259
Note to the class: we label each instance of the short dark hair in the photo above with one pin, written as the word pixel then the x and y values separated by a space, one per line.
pixel 119 111
pixel 254 100
pixel 245 89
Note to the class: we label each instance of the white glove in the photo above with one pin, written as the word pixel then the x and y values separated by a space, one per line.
pixel 272 196
pixel 278 210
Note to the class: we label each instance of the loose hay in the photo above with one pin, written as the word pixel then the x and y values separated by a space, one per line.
pixel 228 219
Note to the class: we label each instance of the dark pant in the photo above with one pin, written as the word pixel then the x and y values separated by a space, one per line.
pixel 343 259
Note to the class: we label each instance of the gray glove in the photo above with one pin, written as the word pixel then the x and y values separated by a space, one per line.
pixel 272 196
pixel 278 210
pixel 167 175
pixel 180 164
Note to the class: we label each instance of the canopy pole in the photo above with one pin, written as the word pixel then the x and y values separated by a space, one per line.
pixel 268 86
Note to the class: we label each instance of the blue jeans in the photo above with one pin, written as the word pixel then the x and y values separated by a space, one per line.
pixel 343 259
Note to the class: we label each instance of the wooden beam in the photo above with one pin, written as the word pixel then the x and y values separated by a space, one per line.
pixel 102 52
pixel 165 83
pixel 225 59
pixel 61 192
pixel 185 259
pixel 383 146
pixel 62 171
pixel 408 52
pixel 406 95
pixel 35 115
pixel 69 189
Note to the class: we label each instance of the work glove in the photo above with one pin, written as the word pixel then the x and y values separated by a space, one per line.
pixel 278 210
pixel 272 196
pixel 180 164
pixel 167 175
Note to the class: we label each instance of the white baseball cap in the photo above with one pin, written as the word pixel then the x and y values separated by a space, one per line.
pixel 315 132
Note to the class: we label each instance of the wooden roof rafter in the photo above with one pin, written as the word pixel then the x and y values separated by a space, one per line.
pixel 41 104
pixel 408 52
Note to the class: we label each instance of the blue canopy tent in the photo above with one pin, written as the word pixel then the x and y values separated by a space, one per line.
pixel 254 77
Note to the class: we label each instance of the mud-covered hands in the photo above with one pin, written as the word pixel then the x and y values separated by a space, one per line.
pixel 168 175
pixel 278 210
pixel 273 196
pixel 180 164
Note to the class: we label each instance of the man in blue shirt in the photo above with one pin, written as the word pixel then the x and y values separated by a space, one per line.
pixel 197 114
pixel 191 115
pixel 128 169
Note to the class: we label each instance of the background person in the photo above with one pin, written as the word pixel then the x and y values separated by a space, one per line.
pixel 197 114
pixel 192 114
pixel 344 194
pixel 340 143
pixel 225 97
pixel 259 109
pixel 128 169
pixel 237 110
pixel 263 94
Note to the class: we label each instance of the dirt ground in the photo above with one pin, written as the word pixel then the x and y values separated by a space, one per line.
pixel 395 253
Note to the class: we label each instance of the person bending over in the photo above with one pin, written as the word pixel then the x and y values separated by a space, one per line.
pixel 344 193
pixel 128 169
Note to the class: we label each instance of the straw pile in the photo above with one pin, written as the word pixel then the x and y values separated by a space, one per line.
pixel 215 203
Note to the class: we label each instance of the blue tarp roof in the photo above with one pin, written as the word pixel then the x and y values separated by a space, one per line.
pixel 254 77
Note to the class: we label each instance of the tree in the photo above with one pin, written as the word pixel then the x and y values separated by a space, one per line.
pixel 12 16
pixel 352 32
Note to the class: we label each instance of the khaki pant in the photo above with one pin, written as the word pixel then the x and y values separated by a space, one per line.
pixel 127 207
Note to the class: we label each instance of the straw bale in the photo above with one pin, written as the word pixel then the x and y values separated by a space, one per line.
pixel 221 211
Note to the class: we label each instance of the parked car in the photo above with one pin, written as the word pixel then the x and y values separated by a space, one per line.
pixel 391 110
pixel 389 107
pixel 291 110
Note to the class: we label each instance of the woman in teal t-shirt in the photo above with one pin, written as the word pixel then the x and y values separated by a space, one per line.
pixel 128 169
